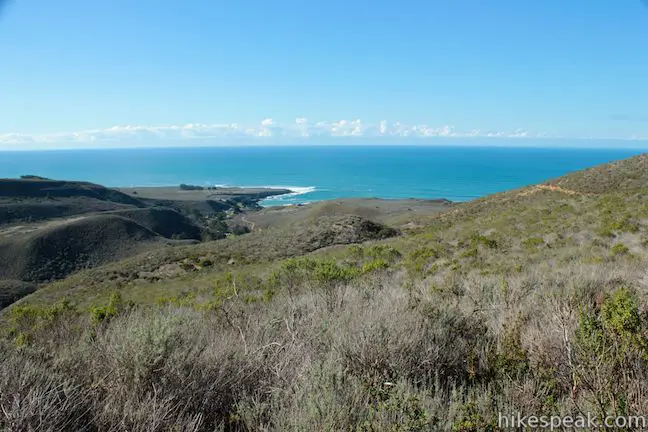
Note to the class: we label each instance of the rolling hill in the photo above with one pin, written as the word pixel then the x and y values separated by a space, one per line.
pixel 58 250
pixel 35 199
pixel 51 228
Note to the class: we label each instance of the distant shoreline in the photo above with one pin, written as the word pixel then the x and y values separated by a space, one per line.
pixel 258 194
pixel 193 193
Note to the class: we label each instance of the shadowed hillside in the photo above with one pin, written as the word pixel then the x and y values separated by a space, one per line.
pixel 165 222
pixel 36 199
pixel 13 290
pixel 59 250
pixel 43 188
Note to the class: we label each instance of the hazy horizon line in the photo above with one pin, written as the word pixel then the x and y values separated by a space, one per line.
pixel 270 132
pixel 456 142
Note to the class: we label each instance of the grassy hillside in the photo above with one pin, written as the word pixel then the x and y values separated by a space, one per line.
pixel 159 270
pixel 38 187
pixel 398 213
pixel 618 176
pixel 58 250
pixel 530 301
pixel 35 199
pixel 51 228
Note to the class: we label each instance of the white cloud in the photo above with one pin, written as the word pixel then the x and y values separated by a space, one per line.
pixel 383 127
pixel 134 135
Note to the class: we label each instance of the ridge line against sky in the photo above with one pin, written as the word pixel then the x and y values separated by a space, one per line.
pixel 267 131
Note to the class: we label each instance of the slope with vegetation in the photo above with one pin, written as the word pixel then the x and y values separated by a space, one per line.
pixel 33 198
pixel 530 301
pixel 56 251
pixel 52 228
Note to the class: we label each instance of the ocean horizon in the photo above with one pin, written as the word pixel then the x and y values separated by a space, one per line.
pixel 314 173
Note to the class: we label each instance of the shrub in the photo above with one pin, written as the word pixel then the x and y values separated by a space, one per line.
pixel 239 229
pixel 418 260
pixel 392 408
pixel 490 243
pixel 115 305
pixel 620 249
pixel 382 251
pixel 375 265
pixel 206 262
pixel 512 358
pixel 473 420
pixel 611 352
pixel 27 317
pixel 469 253
pixel 533 242
pixel 316 272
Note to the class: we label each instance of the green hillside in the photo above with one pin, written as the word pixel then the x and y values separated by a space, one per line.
pixel 530 301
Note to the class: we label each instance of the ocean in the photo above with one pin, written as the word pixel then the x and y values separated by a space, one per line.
pixel 318 173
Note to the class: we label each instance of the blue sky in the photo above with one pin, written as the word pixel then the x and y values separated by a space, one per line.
pixel 124 71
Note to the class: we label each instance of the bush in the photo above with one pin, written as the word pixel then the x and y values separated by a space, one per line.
pixel 240 229
pixel 375 265
pixel 115 305
pixel 611 352
pixel 620 249
pixel 533 242
pixel 417 261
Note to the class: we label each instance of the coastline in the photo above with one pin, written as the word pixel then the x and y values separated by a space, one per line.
pixel 199 193
pixel 258 194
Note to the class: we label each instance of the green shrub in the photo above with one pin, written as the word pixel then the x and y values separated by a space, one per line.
pixel 315 271
pixel 612 224
pixel 183 299
pixel 469 253
pixel 533 242
pixel 394 409
pixel 620 249
pixel 418 260
pixel 512 359
pixel 28 315
pixel 490 243
pixel 375 265
pixel 115 305
pixel 382 251
pixel 611 351
pixel 472 420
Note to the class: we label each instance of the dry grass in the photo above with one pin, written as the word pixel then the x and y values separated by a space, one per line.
pixel 391 354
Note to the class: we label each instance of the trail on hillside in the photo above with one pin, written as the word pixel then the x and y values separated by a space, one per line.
pixel 252 225
pixel 541 187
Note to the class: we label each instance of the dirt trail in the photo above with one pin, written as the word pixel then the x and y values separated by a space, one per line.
pixel 541 187
pixel 252 225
